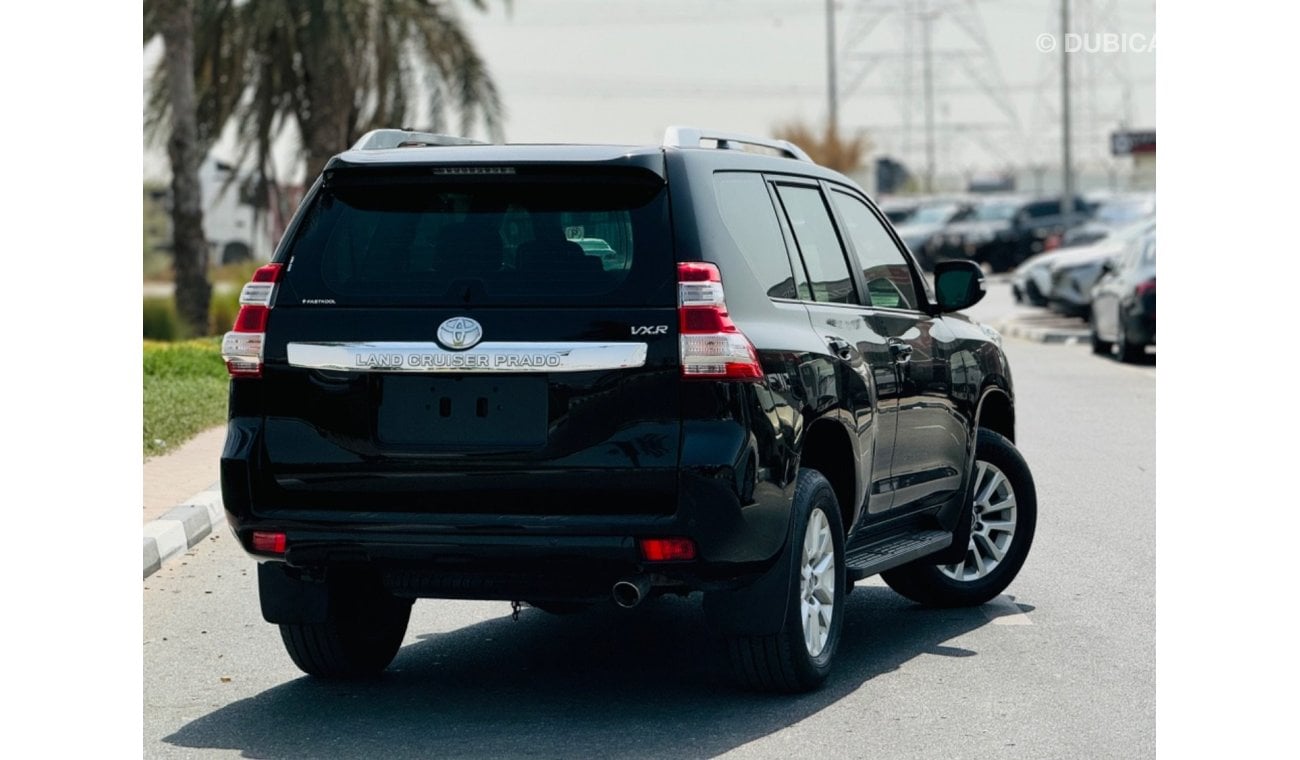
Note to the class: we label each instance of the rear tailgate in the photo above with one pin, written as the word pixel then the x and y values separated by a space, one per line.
pixel 442 344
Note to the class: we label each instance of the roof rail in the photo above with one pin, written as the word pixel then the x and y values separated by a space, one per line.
pixel 383 139
pixel 690 137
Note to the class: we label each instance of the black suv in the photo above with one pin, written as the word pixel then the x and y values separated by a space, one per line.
pixel 1003 231
pixel 563 374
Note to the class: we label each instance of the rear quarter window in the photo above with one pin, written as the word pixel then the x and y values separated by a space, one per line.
pixel 750 218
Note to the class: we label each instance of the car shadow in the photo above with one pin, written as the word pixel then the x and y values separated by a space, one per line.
pixel 649 682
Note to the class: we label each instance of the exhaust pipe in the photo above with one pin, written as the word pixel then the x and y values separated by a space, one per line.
pixel 629 592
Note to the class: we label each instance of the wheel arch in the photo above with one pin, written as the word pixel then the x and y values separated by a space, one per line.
pixel 996 412
pixel 828 448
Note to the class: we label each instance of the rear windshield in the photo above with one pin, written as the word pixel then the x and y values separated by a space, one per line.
pixel 483 239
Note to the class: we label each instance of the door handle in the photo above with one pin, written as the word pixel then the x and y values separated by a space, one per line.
pixel 901 350
pixel 840 347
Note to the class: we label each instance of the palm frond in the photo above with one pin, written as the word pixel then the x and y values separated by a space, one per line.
pixel 273 64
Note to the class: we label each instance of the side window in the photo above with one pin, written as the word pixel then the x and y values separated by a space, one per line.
pixel 819 246
pixel 888 275
pixel 748 213
pixel 1044 209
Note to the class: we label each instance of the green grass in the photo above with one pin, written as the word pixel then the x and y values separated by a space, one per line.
pixel 184 391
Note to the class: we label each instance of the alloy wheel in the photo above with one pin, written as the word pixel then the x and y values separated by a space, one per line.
pixel 993 529
pixel 817 582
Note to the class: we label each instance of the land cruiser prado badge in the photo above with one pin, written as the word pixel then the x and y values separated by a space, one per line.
pixel 460 333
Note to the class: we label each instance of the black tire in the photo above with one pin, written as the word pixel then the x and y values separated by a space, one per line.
pixel 360 638
pixel 782 662
pixel 1126 352
pixel 930 585
pixel 1099 346
pixel 1034 295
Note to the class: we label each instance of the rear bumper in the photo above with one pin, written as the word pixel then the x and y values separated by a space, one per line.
pixel 520 556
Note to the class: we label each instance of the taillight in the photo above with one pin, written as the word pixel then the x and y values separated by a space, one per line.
pixel 1145 288
pixel 712 346
pixel 242 346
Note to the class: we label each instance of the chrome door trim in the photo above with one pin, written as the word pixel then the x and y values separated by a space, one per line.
pixel 380 356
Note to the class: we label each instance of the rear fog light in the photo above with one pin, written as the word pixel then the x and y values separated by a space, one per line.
pixel 667 549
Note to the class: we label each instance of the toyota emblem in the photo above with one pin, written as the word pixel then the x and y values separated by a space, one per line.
pixel 460 333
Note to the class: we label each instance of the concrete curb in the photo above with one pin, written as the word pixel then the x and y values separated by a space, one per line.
pixel 182 527
pixel 1043 333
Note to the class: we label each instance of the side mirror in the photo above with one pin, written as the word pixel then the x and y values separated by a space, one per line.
pixel 958 284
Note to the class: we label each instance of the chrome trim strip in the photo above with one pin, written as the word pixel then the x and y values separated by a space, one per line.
pixel 485 357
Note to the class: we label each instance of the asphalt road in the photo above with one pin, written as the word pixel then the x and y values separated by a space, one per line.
pixel 1061 667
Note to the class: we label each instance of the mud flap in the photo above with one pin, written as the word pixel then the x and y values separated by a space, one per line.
pixel 289 599
pixel 758 609
pixel 956 552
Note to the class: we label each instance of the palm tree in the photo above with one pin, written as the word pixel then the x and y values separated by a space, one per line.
pixel 174 19
pixel 332 69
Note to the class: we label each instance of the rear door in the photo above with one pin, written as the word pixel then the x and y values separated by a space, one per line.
pixel 485 340
pixel 835 306
pixel 929 450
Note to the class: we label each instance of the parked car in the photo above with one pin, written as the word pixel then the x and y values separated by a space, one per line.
pixel 1114 213
pixel 766 401
pixel 1073 271
pixel 1123 315
pixel 1032 280
pixel 899 210
pixel 923 230
pixel 1003 231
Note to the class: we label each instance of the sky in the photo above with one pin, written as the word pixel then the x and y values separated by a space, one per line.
pixel 620 71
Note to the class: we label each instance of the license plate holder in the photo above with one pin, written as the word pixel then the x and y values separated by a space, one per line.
pixel 462 412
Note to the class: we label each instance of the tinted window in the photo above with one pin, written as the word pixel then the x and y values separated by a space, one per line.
pixel 521 240
pixel 751 219
pixel 1044 208
pixel 995 211
pixel 888 275
pixel 819 246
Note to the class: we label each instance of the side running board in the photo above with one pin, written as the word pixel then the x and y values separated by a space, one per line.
pixel 865 560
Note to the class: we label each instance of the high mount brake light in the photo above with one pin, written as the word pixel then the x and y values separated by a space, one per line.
pixel 242 346
pixel 712 347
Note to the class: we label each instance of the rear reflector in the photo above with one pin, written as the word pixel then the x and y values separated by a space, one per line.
pixel 712 347
pixel 667 549
pixel 271 543
pixel 242 346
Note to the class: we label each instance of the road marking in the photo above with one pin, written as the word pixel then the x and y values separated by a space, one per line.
pixel 1003 611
